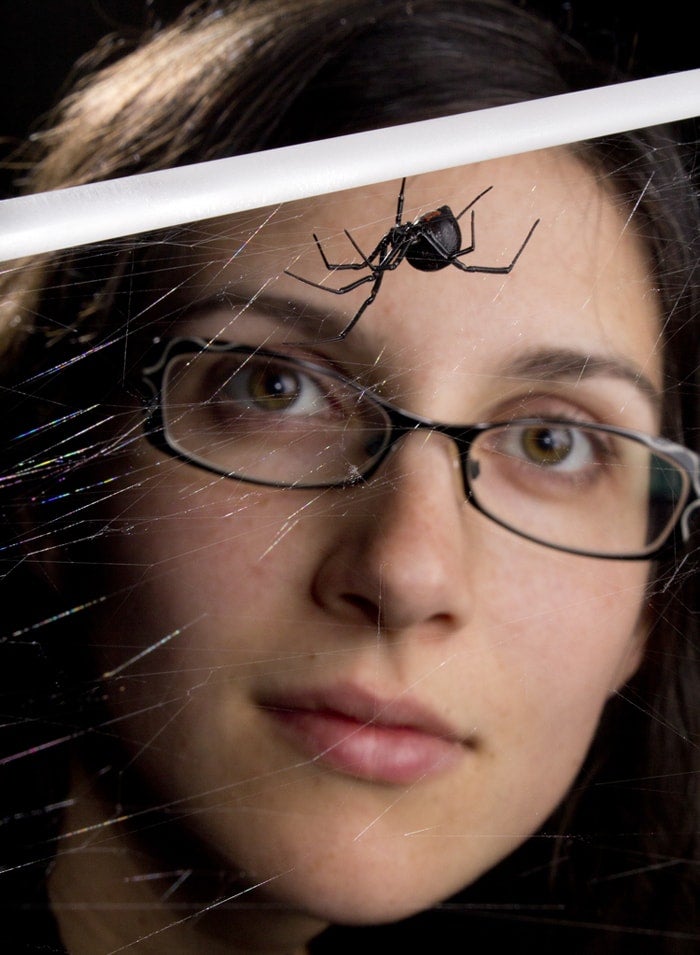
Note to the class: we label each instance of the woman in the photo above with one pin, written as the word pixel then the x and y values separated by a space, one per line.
pixel 329 691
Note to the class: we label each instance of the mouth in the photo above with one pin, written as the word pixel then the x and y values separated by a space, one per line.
pixel 395 741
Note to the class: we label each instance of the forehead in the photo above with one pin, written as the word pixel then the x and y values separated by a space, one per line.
pixel 581 282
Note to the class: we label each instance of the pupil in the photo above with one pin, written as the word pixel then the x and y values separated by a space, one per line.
pixel 546 445
pixel 273 389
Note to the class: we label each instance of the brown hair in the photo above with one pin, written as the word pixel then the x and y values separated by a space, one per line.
pixel 235 77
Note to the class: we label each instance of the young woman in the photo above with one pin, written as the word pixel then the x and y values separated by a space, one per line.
pixel 388 626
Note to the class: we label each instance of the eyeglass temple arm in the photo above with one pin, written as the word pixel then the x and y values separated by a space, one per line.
pixel 691 461
pixel 687 516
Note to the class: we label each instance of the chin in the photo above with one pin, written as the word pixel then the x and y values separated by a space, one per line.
pixel 351 899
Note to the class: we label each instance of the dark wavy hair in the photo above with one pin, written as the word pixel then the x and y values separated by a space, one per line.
pixel 615 869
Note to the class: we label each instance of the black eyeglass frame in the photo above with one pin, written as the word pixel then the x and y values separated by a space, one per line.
pixel 401 423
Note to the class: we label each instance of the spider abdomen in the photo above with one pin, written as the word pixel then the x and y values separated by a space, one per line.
pixel 437 239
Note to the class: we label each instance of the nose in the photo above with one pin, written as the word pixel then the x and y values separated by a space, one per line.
pixel 399 557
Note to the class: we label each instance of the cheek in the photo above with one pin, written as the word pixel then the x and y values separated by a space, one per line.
pixel 566 635
pixel 186 581
pixel 199 604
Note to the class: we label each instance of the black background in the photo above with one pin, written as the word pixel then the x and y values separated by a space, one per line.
pixel 41 39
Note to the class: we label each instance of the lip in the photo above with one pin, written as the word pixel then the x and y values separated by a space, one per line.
pixel 388 740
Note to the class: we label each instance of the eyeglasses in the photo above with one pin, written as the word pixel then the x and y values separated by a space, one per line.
pixel 263 417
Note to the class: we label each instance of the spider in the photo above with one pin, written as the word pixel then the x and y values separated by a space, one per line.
pixel 429 244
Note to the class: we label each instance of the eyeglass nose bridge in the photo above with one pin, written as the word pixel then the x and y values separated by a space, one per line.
pixel 402 423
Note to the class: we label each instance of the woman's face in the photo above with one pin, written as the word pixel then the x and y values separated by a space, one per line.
pixel 361 699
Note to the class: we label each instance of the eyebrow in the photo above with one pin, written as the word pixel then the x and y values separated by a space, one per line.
pixel 306 318
pixel 540 364
pixel 552 364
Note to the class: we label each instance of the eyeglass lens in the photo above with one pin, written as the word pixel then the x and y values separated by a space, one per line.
pixel 270 420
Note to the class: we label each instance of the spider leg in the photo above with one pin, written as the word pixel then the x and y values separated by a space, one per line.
pixel 333 291
pixel 399 203
pixel 443 254
pixel 473 202
pixel 472 244
pixel 493 269
pixel 366 262
pixel 389 258
pixel 358 314
pixel 382 252
pixel 378 252
pixel 338 266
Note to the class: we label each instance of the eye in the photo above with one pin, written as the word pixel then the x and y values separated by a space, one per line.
pixel 268 385
pixel 547 446
pixel 550 446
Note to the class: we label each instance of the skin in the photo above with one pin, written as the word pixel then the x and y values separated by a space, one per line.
pixel 397 586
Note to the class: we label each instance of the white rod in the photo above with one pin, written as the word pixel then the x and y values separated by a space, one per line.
pixel 49 221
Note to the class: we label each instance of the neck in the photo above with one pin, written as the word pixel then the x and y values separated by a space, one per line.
pixel 109 892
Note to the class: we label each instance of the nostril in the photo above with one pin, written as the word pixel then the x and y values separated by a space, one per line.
pixel 367 608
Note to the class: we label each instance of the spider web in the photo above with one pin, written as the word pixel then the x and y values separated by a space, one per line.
pixel 143 595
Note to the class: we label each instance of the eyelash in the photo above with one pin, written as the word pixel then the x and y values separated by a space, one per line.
pixel 374 377
pixel 555 406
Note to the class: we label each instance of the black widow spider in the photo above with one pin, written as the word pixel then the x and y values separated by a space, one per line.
pixel 429 244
